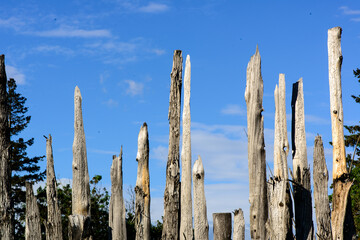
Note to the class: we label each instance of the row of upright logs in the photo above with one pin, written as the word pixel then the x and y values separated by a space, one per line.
pixel 271 215
pixel 270 200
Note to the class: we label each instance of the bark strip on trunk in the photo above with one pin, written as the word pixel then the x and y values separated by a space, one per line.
pixel 186 228
pixel 142 188
pixel 117 222
pixel 32 220
pixel 321 198
pixel 172 189
pixel 301 170
pixel 79 221
pixel 256 148
pixel 201 225
pixel 222 226
pixel 341 224
pixel 239 225
pixel 53 225
pixel 6 225
pixel 280 206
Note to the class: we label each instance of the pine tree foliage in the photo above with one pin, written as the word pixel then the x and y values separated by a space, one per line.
pixel 352 141
pixel 23 167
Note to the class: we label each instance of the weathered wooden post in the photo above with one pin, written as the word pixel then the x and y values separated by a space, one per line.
pixel 171 224
pixel 142 188
pixel 280 206
pixel 239 225
pixel 6 225
pixel 53 225
pixel 301 171
pixel 256 148
pixel 341 218
pixel 117 222
pixel 32 218
pixel 186 229
pixel 321 197
pixel 79 221
pixel 222 226
pixel 201 225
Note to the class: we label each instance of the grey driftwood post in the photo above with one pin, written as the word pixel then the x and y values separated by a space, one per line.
pixel 201 225
pixel 239 225
pixel 186 228
pixel 32 218
pixel 142 188
pixel 117 221
pixel 321 197
pixel 79 221
pixel 222 226
pixel 301 171
pixel 171 224
pixel 6 226
pixel 53 224
pixel 256 148
pixel 280 206
pixel 341 217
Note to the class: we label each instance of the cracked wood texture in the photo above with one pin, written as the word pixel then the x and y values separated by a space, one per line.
pixel 79 221
pixel 186 228
pixel 239 225
pixel 222 226
pixel 341 216
pixel 117 222
pixel 256 148
pixel 321 198
pixel 32 218
pixel 201 225
pixel 171 223
pixel 280 206
pixel 6 225
pixel 301 171
pixel 53 224
pixel 142 188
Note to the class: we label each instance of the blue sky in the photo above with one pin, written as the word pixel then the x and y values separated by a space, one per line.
pixel 119 53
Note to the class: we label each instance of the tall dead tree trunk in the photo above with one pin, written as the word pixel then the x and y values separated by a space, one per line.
pixel 341 217
pixel 32 218
pixel 280 206
pixel 186 228
pixel 79 221
pixel 201 225
pixel 321 197
pixel 222 226
pixel 6 226
pixel 171 224
pixel 301 170
pixel 142 188
pixel 53 225
pixel 239 225
pixel 117 222
pixel 256 148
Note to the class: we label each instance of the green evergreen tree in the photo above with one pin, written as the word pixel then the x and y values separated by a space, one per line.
pixel 353 160
pixel 23 167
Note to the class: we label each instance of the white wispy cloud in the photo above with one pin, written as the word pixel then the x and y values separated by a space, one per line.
pixel 154 8
pixel 12 22
pixel 233 109
pixel 159 153
pixel 69 32
pixel 134 88
pixel 158 52
pixel 12 72
pixel 348 11
pixel 111 102
pixel 54 49
pixel 99 151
